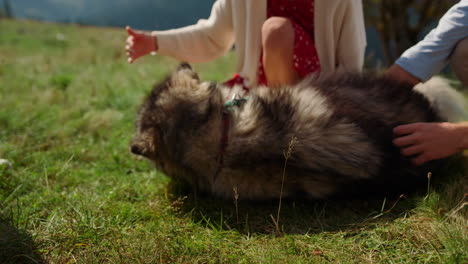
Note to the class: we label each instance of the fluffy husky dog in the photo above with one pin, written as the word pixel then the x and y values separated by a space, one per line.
pixel 323 137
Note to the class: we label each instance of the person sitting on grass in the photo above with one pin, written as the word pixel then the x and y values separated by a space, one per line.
pixel 277 42
pixel 448 42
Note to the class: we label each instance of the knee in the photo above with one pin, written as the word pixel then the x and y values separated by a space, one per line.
pixel 277 33
pixel 459 61
pixel 461 50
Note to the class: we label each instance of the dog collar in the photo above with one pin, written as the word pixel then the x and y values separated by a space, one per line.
pixel 236 101
pixel 225 124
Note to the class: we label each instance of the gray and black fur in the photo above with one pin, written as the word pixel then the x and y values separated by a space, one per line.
pixel 342 125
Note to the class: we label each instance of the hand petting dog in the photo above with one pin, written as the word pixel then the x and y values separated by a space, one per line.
pixel 430 141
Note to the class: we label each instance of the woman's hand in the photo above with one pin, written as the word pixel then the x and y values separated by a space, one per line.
pixel 139 43
pixel 430 141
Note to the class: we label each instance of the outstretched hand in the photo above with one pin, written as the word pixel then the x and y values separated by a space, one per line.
pixel 430 141
pixel 138 44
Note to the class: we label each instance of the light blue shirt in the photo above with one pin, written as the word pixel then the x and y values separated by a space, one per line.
pixel 431 54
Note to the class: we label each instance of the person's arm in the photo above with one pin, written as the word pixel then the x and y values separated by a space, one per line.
pixel 430 55
pixel 430 141
pixel 204 41
pixel 396 72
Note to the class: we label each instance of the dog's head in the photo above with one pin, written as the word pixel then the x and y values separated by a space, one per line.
pixel 171 115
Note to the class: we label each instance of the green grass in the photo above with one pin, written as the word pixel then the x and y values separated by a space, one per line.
pixel 74 194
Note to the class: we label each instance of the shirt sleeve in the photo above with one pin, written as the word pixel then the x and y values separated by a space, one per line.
pixel 430 55
pixel 204 41
pixel 352 42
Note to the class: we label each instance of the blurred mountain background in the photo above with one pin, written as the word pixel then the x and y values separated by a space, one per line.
pixel 143 14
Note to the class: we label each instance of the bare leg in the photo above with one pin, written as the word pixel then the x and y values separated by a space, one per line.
pixel 278 51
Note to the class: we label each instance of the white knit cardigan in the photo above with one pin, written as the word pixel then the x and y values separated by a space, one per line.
pixel 339 35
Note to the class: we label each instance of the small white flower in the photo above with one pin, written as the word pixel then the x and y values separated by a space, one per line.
pixel 5 164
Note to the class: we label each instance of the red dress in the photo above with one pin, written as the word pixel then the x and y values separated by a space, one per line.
pixel 301 15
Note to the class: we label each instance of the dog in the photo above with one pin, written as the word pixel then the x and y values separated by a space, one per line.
pixel 326 136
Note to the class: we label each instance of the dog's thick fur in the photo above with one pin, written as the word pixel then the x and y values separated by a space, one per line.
pixel 342 125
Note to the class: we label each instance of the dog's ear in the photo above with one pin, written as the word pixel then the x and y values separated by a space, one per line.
pixel 184 65
pixel 186 69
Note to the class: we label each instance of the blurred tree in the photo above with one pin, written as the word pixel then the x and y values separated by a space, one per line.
pixel 401 23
